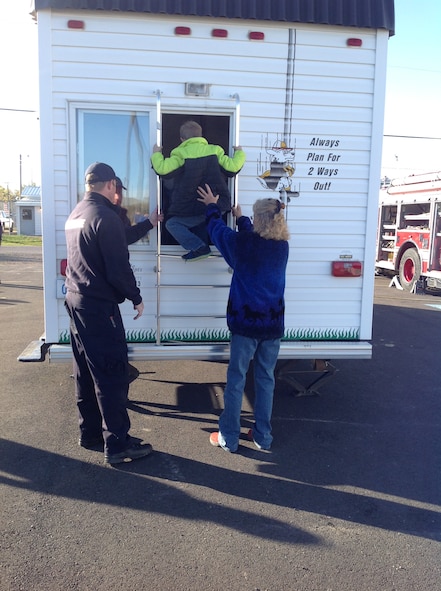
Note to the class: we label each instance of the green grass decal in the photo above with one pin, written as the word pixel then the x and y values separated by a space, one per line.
pixel 223 335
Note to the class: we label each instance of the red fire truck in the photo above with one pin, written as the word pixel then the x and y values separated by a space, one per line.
pixel 409 231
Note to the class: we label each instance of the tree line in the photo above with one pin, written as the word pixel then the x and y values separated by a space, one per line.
pixel 7 195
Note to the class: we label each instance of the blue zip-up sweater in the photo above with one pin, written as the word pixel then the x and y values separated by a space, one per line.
pixel 256 305
pixel 97 255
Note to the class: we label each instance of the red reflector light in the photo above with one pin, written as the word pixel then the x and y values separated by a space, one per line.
pixel 75 24
pixel 346 268
pixel 256 35
pixel 182 31
pixel 219 33
pixel 63 265
pixel 354 42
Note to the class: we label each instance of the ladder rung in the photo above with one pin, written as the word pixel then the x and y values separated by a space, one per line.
pixel 171 255
pixel 191 316
pixel 179 285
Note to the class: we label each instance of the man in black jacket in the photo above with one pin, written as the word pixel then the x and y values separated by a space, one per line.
pixel 98 278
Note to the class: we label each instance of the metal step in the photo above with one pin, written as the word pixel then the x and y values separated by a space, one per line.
pixel 193 286
pixel 192 316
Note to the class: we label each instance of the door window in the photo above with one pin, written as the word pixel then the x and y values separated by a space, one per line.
pixel 120 139
pixel 215 129
pixel 26 213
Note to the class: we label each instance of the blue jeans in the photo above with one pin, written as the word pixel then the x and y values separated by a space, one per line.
pixel 180 229
pixel 242 351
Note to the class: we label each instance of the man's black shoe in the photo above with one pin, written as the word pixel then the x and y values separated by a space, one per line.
pixel 134 452
pixel 91 442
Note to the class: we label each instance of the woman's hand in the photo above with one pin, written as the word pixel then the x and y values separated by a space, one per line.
pixel 237 211
pixel 206 195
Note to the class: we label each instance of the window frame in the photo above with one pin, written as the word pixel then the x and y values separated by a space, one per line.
pixel 76 111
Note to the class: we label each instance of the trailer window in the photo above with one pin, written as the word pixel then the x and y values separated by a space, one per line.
pixel 120 139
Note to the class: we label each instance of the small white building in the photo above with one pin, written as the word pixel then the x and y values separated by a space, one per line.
pixel 28 212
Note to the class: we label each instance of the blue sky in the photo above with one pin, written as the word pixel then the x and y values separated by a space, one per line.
pixel 19 90
pixel 413 89
pixel 413 92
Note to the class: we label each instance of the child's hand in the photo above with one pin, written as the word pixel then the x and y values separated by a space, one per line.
pixel 206 195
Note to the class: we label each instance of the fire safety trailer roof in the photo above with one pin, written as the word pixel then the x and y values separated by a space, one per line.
pixel 370 14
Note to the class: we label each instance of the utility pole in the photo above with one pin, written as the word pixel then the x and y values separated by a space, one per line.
pixel 9 207
pixel 21 186
pixel 21 173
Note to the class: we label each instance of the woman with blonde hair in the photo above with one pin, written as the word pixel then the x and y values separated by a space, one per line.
pixel 258 255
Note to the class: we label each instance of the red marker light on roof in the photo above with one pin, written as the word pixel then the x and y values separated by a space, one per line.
pixel 346 268
pixel 354 42
pixel 256 35
pixel 219 33
pixel 72 24
pixel 182 31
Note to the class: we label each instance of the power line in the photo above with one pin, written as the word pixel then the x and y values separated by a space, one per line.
pixel 17 110
pixel 413 137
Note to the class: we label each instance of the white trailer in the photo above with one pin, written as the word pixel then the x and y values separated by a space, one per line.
pixel 300 87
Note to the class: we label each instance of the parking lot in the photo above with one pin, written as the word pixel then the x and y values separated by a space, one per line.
pixel 348 499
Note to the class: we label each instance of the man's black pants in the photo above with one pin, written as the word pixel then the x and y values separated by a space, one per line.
pixel 100 370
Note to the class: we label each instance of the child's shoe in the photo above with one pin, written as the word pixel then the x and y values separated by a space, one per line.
pixel 197 255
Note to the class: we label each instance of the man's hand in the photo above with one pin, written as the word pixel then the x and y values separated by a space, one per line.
pixel 140 309
pixel 157 148
pixel 156 217
pixel 206 195
pixel 235 148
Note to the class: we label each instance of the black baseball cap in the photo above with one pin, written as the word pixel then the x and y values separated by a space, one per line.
pixel 98 172
pixel 119 183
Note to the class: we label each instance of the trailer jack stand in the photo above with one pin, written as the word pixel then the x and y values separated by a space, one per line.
pixel 305 381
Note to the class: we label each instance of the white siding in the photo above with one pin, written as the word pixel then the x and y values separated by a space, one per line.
pixel 121 59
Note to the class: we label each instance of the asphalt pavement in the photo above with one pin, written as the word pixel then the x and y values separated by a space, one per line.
pixel 348 499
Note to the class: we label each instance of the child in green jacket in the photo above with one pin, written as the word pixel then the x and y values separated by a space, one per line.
pixel 195 163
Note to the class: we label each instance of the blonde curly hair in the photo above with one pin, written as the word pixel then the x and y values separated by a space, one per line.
pixel 268 219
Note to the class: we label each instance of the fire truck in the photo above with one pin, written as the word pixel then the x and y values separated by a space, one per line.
pixel 409 231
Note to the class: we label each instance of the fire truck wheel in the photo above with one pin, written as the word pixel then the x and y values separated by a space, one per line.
pixel 410 269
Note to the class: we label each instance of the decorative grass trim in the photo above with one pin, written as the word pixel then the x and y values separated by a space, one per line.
pixel 319 334
pixel 223 335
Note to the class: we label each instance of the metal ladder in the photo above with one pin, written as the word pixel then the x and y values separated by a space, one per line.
pixel 159 255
